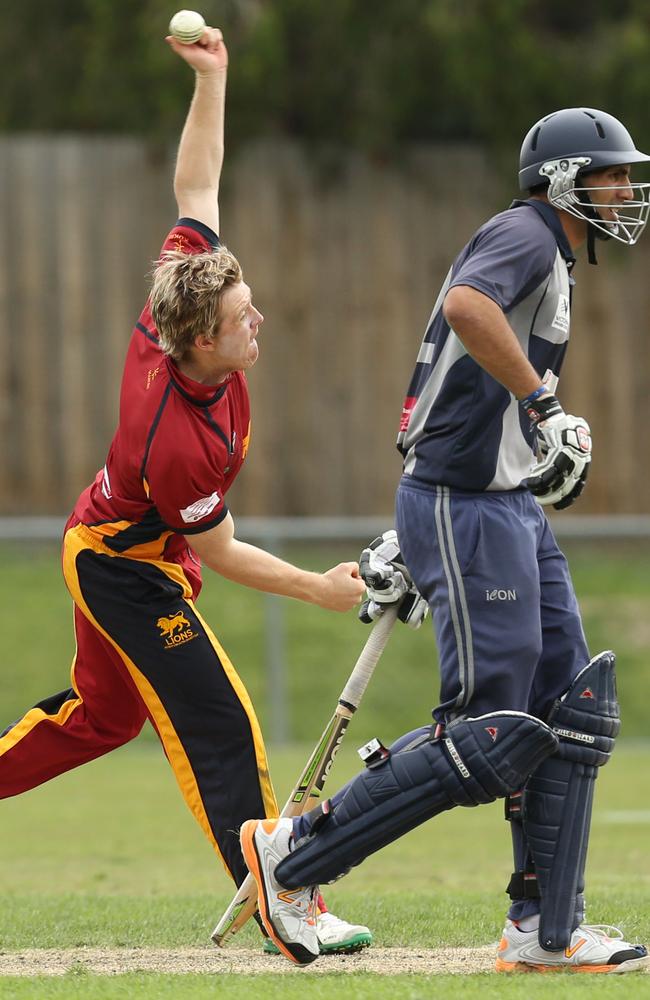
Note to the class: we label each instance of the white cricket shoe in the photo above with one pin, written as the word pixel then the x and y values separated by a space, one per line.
pixel 591 949
pixel 288 915
pixel 335 936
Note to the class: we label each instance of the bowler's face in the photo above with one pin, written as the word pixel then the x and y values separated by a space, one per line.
pixel 235 344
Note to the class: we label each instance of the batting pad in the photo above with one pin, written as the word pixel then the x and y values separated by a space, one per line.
pixel 474 761
pixel 558 798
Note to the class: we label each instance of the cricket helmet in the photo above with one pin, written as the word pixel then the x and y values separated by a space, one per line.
pixel 564 146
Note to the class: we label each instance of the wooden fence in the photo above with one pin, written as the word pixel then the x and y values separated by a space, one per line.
pixel 345 258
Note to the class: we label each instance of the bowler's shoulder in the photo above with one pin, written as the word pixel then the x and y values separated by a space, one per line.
pixel 190 236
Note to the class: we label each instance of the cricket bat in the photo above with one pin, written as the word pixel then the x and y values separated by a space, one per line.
pixel 309 786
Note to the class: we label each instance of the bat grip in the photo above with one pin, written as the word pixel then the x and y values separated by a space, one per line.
pixel 375 643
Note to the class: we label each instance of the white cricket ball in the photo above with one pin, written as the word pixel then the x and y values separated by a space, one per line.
pixel 187 26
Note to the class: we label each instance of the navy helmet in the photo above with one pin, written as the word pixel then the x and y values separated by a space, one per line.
pixel 564 146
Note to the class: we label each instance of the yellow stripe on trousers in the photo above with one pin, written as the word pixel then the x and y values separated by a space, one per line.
pixel 32 718
pixel 76 540
pixel 268 794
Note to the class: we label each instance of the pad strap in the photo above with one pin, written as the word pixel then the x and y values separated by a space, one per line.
pixel 523 885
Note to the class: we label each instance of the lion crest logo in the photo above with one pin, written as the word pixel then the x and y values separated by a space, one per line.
pixel 175 630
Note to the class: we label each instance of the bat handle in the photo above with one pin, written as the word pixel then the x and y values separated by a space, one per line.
pixel 368 657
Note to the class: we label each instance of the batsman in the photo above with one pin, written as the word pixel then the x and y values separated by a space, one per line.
pixel 525 714
pixel 133 546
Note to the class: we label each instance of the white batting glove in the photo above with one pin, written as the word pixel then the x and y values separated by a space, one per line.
pixel 383 571
pixel 388 581
pixel 413 608
pixel 563 455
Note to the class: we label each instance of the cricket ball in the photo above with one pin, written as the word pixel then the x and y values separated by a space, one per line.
pixel 187 26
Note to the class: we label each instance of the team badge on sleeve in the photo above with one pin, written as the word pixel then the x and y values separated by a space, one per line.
pixel 200 508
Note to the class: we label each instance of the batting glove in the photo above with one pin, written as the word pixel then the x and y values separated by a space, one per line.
pixel 563 454
pixel 383 570
pixel 388 581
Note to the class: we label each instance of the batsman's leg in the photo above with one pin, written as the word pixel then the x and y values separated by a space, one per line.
pixel 551 821
pixel 289 917
pixel 477 760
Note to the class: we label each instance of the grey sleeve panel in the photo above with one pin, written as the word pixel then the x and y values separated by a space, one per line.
pixel 508 258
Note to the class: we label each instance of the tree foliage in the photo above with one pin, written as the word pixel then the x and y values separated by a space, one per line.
pixel 352 73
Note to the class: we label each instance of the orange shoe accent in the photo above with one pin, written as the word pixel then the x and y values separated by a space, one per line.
pixel 247 835
pixel 268 825
pixel 593 968
pixel 501 966
pixel 288 895
pixel 570 952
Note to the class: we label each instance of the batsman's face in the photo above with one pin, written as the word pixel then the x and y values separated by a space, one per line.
pixel 235 345
pixel 612 190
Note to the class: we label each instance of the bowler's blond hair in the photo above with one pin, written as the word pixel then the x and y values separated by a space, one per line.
pixel 187 296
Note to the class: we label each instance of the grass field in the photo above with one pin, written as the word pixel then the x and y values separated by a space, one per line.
pixel 108 856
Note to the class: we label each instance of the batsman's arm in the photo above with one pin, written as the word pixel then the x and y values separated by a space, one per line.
pixel 339 589
pixel 482 327
pixel 200 152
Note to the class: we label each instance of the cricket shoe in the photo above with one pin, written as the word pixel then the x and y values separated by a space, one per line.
pixel 288 915
pixel 591 949
pixel 335 936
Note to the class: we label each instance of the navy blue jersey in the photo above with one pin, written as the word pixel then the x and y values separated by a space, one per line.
pixel 460 427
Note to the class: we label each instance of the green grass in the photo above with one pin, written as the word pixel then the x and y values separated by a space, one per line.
pixel 348 986
pixel 109 856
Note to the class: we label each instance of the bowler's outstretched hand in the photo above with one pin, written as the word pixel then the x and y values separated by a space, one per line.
pixel 205 56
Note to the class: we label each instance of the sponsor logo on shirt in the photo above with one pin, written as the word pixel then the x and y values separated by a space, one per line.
pixel 562 314
pixel 175 630
pixel 200 508
pixel 151 374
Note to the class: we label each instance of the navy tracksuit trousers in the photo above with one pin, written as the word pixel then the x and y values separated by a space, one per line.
pixel 504 610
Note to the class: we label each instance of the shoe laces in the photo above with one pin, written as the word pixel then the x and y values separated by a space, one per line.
pixel 602 930
pixel 312 906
